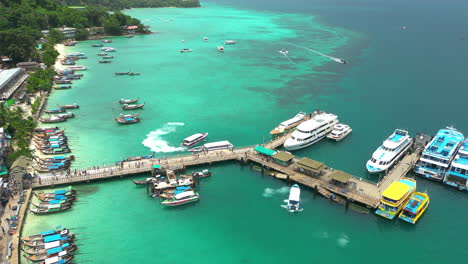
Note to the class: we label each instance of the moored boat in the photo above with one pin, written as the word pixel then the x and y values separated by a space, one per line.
pixel 339 132
pixel 439 154
pixel 54 208
pixel 294 198
pixel 63 81
pixel 52 119
pixel 128 101
pixel 51 248
pixel 185 50
pixel 132 107
pixel 97 45
pixel 106 41
pixel 311 131
pixel 229 42
pixel 43 234
pixel 220 48
pixel 108 49
pixel 58 259
pixel 78 68
pixel 63 87
pixel 415 207
pixel 213 146
pixel 395 196
pixel 194 139
pixel 107 57
pixel 144 182
pixel 103 54
pixel 73 106
pixel 55 252
pixel 457 175
pixel 290 124
pixel 392 149
pixel 63 236
pixel 129 36
pixel 66 115
pixel 201 174
pixel 133 73
pixel 121 73
pixel 181 198
pixel 105 61
pixel 127 119
pixel 55 111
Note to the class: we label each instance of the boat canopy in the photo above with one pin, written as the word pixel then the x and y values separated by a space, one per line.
pixel 52 238
pixel 59 157
pixel 54 206
pixel 182 188
pixel 54 250
pixel 193 137
pixel 265 151
pixel 218 144
pixel 184 195
pixel 396 191
pixel 293 120
pixel 48 232
pixel 156 166
pixel 60 192
pixel 295 193
pixel 52 244
pixel 52 260
pixel 55 201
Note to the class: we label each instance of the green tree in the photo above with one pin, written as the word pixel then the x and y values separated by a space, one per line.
pixel 112 26
pixel 81 34
pixel 56 36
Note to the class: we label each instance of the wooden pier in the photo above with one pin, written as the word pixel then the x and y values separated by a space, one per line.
pixel 326 181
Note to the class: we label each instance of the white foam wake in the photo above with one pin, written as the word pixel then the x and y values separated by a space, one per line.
pixel 154 140
pixel 269 192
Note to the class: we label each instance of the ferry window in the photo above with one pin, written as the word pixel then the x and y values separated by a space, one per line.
pixel 457 169
pixel 463 171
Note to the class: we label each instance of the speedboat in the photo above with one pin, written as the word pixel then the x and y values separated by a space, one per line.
pixel 294 197
pixel 290 124
pixel 181 198
pixel 415 207
pixel 185 50
pixel 106 41
pixel 283 51
pixel 108 49
pixel 220 48
pixel 229 42
pixel 392 149
pixel 339 132
pixel 194 139
pixel 311 131
pixel 395 196
pixel 439 154
pixel 102 54
pixel 205 39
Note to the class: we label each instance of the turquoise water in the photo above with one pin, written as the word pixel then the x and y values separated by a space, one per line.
pixel 393 78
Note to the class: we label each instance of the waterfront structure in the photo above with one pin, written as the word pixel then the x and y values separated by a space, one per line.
pixel 457 175
pixel 283 158
pixel 415 207
pixel 439 153
pixel 311 131
pixel 3 146
pixel 390 151
pixel 395 197
pixel 10 81
pixel 28 65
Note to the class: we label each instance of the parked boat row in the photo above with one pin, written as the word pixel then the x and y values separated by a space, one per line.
pixel 57 201
pixel 401 199
pixel 55 246
pixel 50 141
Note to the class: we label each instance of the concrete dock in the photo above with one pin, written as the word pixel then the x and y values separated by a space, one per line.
pixel 325 180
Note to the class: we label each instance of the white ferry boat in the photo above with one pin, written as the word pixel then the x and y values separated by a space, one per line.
pixel 339 132
pixel 290 124
pixel 213 146
pixel 439 153
pixel 457 175
pixel 391 150
pixel 311 131
pixel 294 198
pixel 194 139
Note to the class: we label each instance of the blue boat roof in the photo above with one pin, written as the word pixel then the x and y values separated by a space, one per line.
pixel 414 203
pixel 181 188
pixel 444 143
pixel 407 182
pixel 54 250
pixel 128 118
pixel 52 238
pixel 62 261
pixel 59 197
pixel 48 232
pixel 55 201
pixel 59 157
pixel 60 192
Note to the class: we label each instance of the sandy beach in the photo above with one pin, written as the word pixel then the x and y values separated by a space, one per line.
pixel 62 53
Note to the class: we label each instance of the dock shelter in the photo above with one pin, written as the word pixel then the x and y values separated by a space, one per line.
pixel 265 151
pixel 310 167
pixel 339 178
pixel 283 158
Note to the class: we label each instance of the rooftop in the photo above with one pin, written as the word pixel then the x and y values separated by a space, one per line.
pixel 396 191
pixel 340 176
pixel 7 75
pixel 310 164
pixel 283 156
pixel 264 151
pixel 444 143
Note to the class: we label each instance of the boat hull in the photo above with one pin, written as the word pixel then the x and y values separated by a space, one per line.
pixel 180 202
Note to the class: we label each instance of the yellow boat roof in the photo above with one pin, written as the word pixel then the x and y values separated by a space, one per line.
pixel 396 191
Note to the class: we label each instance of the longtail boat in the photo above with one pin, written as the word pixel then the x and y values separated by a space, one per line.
pixel 73 106
pixel 54 252
pixel 108 57
pixel 45 129
pixel 55 151
pixel 63 81
pixel 127 119
pixel 52 202
pixel 55 111
pixel 121 73
pixel 68 191
pixel 43 234
pixel 66 115
pixel 128 101
pixel 58 158
pixel 51 247
pixel 97 45
pixel 54 208
pixel 52 119
pixel 105 61
pixel 63 236
pixel 132 107
pixel 144 182
pixel 133 73
pixel 58 260
pixel 63 87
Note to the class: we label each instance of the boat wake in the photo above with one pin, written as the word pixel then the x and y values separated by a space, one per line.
pixel 269 192
pixel 285 53
pixel 321 54
pixel 343 240
pixel 154 140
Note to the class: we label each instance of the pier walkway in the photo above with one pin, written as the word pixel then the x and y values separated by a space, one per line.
pixel 354 189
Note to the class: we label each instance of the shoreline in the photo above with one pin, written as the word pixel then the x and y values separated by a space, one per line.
pixel 60 48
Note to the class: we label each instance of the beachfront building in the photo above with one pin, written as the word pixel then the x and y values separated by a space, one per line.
pixel 131 29
pixel 10 81
pixel 69 32
pixel 28 65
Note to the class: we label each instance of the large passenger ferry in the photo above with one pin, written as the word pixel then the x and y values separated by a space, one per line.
pixel 213 146
pixel 439 153
pixel 391 150
pixel 457 175
pixel 311 131
pixel 395 196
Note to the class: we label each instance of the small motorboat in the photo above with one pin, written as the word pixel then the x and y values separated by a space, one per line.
pixel 54 111
pixel 129 36
pixel 105 61
pixel 132 107
pixel 182 198
pixel 220 48
pixel 127 119
pixel 121 73
pixel 63 87
pixel 415 207
pixel 53 119
pixel 128 101
pixel 185 50
pixel 107 57
pixel 97 45
pixel 133 73
pixel 103 54
pixel 339 132
pixel 194 139
pixel 201 174
pixel 66 115
pixel 108 49
pixel 106 41
pixel 205 39
pixel 294 197
pixel 229 42
pixel 283 51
